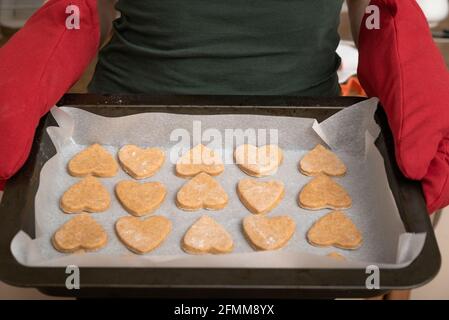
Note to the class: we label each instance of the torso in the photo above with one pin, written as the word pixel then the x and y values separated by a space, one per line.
pixel 243 47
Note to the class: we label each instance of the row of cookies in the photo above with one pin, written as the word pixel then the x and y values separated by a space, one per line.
pixel 97 161
pixel 270 233
pixel 142 163
pixel 254 161
pixel 142 236
pixel 205 236
pixel 201 192
pixel 90 195
pixel 138 199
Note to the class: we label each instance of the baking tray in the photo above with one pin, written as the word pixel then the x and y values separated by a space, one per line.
pixel 17 213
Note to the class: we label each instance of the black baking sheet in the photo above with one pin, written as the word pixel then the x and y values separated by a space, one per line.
pixel 17 211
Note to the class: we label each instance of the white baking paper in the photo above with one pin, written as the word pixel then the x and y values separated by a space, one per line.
pixel 350 133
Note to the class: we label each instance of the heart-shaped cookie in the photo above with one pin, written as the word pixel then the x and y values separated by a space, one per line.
pixel 201 192
pixel 266 233
pixel 258 161
pixel 140 198
pixel 335 229
pixel 260 196
pixel 80 233
pixel 142 236
pixel 323 192
pixel 199 159
pixel 94 160
pixel 140 163
pixel 88 195
pixel 207 236
pixel 322 160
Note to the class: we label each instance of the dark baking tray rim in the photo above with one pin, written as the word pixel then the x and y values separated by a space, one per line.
pixel 18 199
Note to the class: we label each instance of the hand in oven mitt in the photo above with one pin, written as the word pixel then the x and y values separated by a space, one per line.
pixel 37 66
pixel 400 64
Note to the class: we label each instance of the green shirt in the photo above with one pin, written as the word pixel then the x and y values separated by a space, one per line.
pixel 238 47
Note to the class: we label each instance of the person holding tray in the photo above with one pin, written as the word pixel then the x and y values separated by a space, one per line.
pixel 263 47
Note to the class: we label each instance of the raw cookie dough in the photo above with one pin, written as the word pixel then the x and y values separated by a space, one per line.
pixel 260 196
pixel 80 233
pixel 201 192
pixel 323 192
pixel 142 236
pixel 258 161
pixel 94 160
pixel 322 160
pixel 140 163
pixel 88 195
pixel 265 233
pixel 140 198
pixel 207 236
pixel 199 159
pixel 336 256
pixel 335 229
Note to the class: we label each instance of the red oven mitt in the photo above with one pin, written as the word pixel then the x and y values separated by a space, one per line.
pixel 400 64
pixel 37 66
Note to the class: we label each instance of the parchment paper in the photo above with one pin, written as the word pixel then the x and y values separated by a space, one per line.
pixel 350 133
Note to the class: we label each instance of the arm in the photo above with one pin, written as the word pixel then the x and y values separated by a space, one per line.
pixel 37 66
pixel 356 10
pixel 107 14
pixel 400 63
